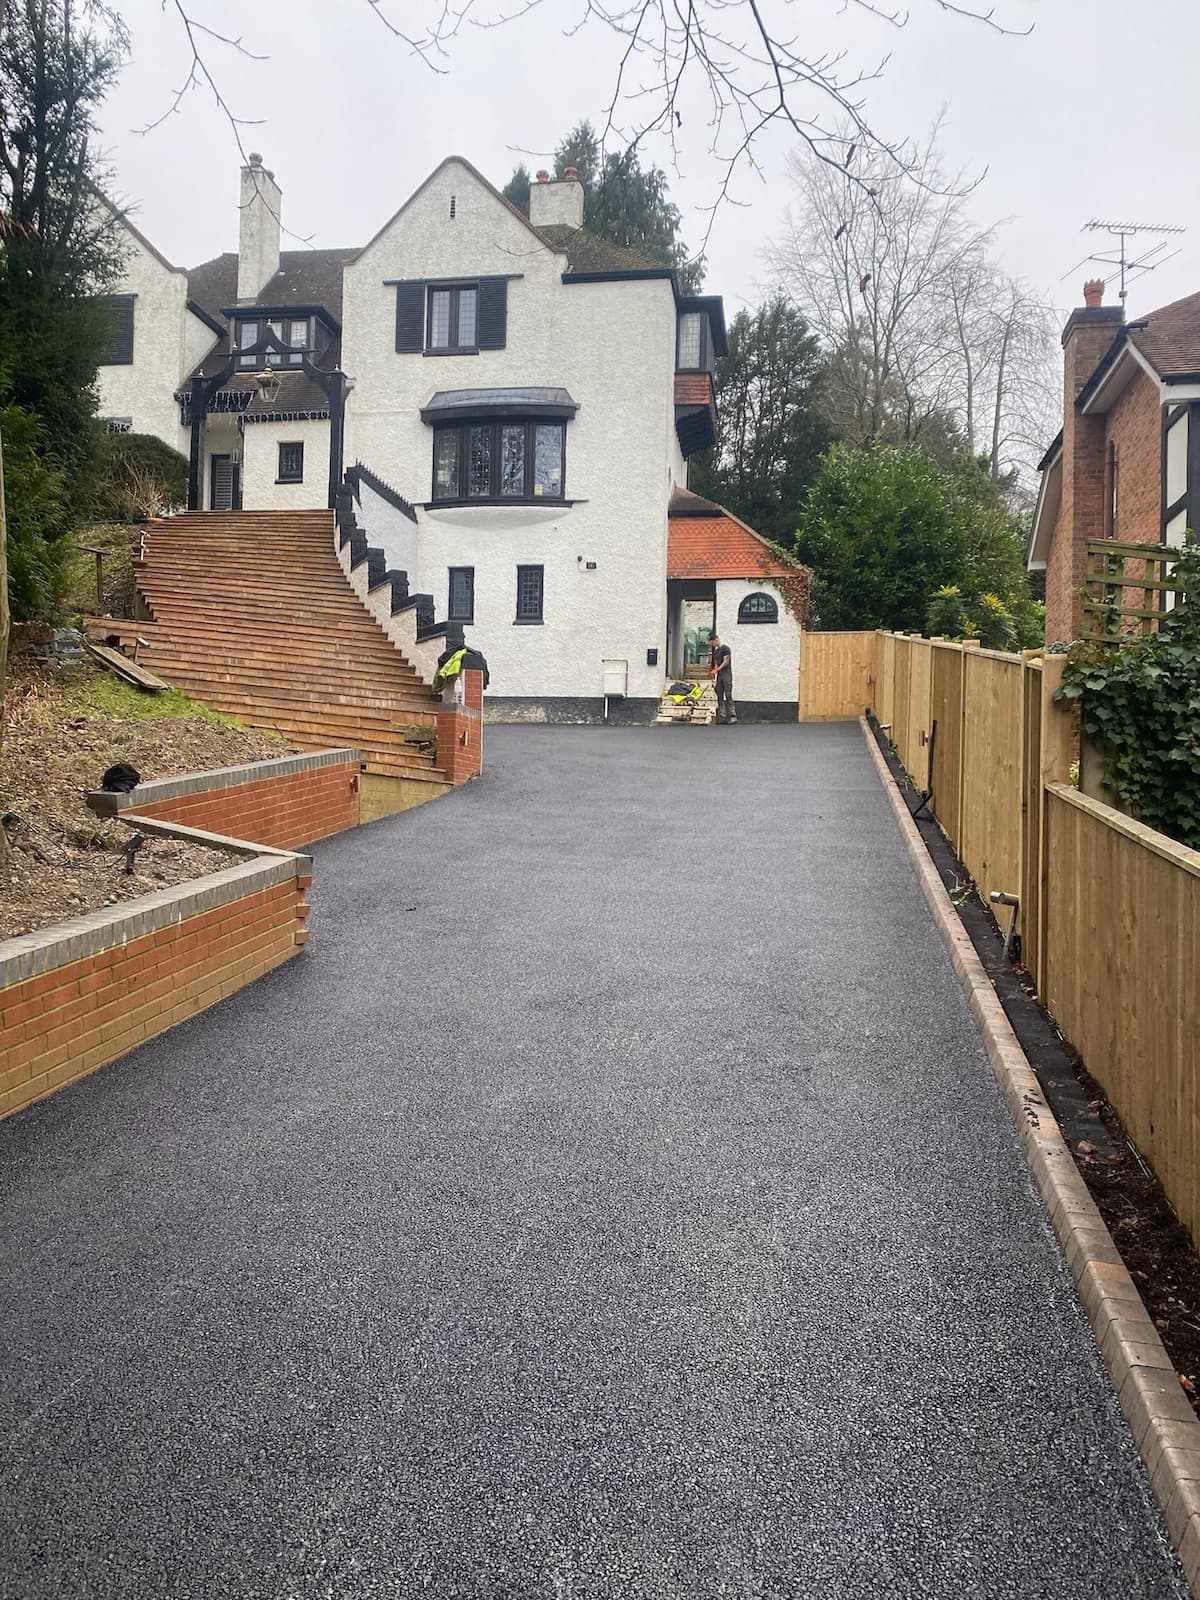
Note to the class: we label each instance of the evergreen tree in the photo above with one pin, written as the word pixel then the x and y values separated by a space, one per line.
pixel 517 188
pixel 772 431
pixel 59 250
pixel 880 532
pixel 623 202
pixel 898 542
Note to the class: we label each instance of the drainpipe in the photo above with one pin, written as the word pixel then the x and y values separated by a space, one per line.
pixel 1110 489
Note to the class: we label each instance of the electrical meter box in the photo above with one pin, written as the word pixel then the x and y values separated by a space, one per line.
pixel 616 679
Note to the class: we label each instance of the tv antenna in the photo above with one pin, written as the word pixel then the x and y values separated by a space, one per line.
pixel 1145 262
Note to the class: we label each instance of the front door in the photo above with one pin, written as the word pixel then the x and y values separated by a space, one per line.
pixel 699 622
pixel 226 484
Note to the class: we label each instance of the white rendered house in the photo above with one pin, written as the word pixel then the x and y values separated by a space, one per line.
pixel 515 401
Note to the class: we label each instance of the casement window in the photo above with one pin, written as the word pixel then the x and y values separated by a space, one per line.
pixel 504 460
pixel 294 332
pixel 291 464
pixel 692 355
pixel 452 318
pixel 120 345
pixel 445 319
pixel 529 594
pixel 461 602
pixel 758 608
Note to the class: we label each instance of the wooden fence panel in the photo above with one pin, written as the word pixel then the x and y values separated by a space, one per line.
pixel 899 733
pixel 945 708
pixel 920 672
pixel 835 675
pixel 993 779
pixel 1031 816
pixel 1122 918
pixel 885 677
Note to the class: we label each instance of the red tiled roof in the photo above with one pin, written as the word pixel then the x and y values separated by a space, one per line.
pixel 693 389
pixel 718 546
pixel 1169 338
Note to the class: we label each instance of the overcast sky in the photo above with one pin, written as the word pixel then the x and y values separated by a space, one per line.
pixel 1094 114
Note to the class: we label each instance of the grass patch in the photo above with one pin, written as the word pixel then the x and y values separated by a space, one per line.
pixel 96 693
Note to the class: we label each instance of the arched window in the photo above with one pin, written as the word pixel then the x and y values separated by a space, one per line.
pixel 758 608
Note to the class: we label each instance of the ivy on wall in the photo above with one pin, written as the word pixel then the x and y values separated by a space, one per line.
pixel 1140 703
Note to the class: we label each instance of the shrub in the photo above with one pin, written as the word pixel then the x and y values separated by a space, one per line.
pixel 1140 702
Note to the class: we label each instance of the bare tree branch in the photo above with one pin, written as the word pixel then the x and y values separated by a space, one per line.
pixel 736 54
pixel 921 327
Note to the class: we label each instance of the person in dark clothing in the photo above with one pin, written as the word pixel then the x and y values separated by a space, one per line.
pixel 721 661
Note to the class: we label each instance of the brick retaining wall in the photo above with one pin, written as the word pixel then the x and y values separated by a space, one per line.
pixel 285 803
pixel 460 731
pixel 84 992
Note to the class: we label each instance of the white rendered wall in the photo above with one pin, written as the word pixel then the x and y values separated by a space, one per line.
pixel 260 466
pixel 394 533
pixel 167 342
pixel 766 655
pixel 558 203
pixel 612 346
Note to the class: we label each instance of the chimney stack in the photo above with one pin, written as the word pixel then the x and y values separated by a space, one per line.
pixel 1089 332
pixel 258 229
pixel 557 202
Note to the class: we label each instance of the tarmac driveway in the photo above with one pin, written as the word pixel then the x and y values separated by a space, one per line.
pixel 614 1201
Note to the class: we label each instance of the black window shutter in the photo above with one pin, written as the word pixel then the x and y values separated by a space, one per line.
pixel 410 317
pixel 120 348
pixel 492 324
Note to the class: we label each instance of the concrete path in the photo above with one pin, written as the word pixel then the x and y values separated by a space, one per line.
pixel 613 1204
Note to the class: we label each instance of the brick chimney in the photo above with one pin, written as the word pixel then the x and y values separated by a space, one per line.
pixel 556 202
pixel 260 208
pixel 1089 332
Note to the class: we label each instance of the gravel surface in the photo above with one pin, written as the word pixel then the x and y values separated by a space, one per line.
pixel 614 1202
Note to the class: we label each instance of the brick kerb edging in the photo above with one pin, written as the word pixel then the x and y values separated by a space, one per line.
pixel 106 804
pixel 1160 1416
pixel 65 942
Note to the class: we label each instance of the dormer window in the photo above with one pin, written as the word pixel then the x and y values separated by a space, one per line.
pixel 295 332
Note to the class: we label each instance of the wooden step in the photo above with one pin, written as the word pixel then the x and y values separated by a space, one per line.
pixel 254 616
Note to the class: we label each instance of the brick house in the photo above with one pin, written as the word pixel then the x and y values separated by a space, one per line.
pixel 511 404
pixel 1126 465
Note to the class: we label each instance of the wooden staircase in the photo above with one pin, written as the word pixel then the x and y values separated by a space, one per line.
pixel 252 615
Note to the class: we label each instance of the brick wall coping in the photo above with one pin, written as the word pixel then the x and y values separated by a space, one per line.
pixel 162 829
pixel 89 935
pixel 105 804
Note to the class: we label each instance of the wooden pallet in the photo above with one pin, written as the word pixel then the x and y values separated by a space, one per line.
pixel 702 710
pixel 124 668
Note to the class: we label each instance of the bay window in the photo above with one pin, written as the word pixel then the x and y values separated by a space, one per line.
pixel 507 459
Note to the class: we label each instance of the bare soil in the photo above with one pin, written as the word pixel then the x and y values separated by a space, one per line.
pixel 64 726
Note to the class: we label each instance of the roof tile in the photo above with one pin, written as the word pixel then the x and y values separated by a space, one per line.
pixel 1169 338
pixel 719 546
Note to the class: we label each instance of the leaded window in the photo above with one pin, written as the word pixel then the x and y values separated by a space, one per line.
pixel 291 463
pixel 758 608
pixel 497 461
pixel 691 340
pixel 529 593
pixel 461 607
pixel 479 458
pixel 452 318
